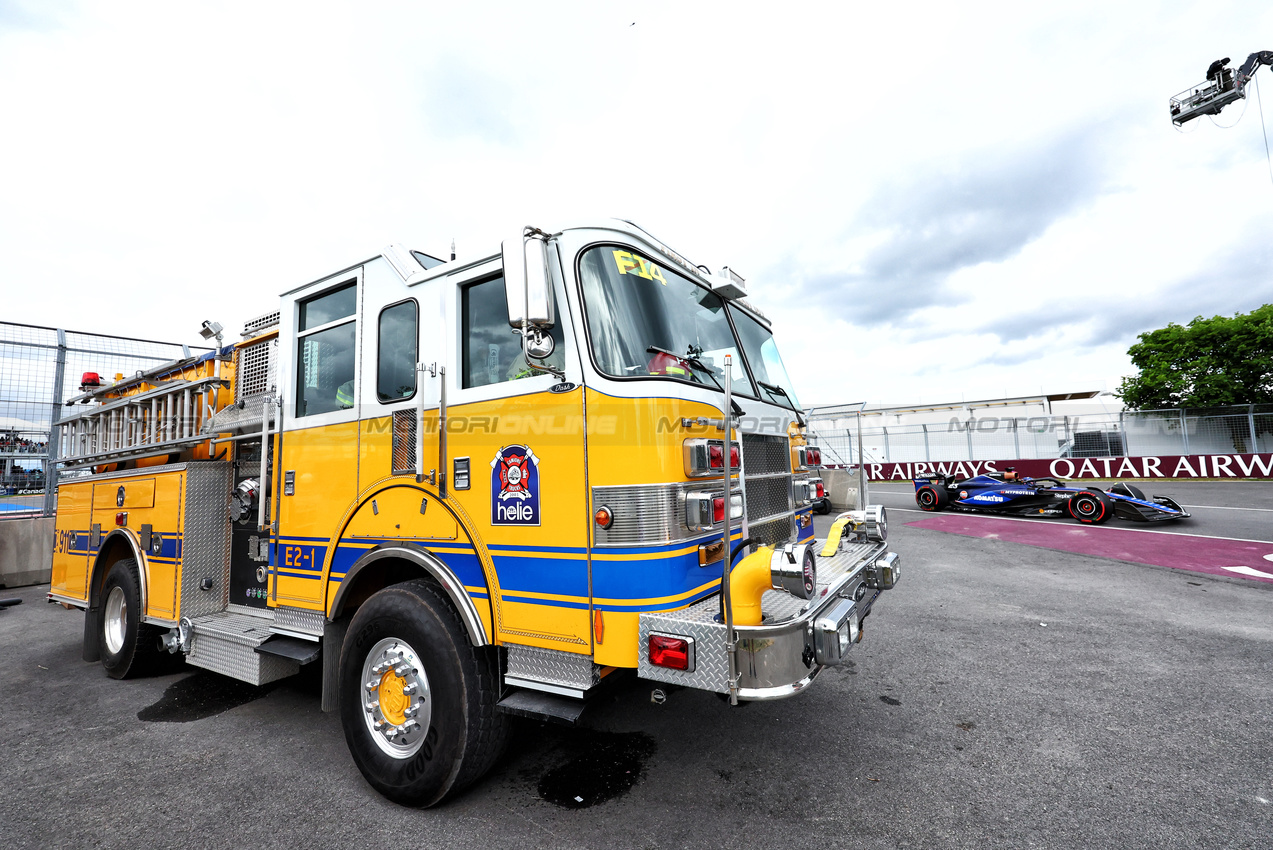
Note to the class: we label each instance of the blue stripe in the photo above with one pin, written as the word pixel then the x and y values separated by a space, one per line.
pixel 542 575
pixel 574 550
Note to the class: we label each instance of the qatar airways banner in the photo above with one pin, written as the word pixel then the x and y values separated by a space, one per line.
pixel 1161 466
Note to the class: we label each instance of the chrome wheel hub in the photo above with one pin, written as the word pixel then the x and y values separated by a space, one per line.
pixel 396 703
pixel 115 620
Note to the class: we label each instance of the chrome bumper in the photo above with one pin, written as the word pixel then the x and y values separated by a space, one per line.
pixel 796 638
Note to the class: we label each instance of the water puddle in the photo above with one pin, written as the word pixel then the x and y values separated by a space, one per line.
pixel 200 696
pixel 609 764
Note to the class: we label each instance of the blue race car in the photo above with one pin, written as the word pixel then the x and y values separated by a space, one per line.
pixel 1009 493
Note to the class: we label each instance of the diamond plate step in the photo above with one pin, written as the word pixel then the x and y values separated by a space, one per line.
pixel 541 706
pixel 226 642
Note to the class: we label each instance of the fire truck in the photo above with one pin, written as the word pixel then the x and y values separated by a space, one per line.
pixel 468 490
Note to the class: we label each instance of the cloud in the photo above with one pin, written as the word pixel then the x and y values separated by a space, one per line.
pixel 464 101
pixel 29 15
pixel 983 207
pixel 1240 282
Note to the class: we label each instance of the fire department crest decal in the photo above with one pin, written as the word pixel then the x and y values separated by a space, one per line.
pixel 515 487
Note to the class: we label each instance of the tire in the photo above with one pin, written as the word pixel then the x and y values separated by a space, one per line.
pixel 1091 507
pixel 128 647
pixel 446 732
pixel 931 499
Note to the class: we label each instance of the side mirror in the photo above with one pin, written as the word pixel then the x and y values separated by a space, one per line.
pixel 526 283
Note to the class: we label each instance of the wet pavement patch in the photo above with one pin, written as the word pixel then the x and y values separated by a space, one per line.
pixel 609 765
pixel 199 696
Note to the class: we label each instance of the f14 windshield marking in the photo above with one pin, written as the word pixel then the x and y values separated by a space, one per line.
pixel 629 263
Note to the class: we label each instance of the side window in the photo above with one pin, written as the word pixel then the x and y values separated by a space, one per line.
pixel 491 350
pixel 325 348
pixel 396 352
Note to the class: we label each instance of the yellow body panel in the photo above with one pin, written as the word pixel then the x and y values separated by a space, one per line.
pixel 155 501
pixel 325 462
pixel 70 543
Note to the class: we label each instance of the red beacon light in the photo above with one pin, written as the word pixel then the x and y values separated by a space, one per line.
pixel 90 379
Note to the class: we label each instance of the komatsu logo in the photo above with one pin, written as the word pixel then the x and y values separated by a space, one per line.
pixel 515 487
pixel 988 497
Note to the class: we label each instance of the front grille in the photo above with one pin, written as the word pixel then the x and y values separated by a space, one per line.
pixel 768 497
pixel 774 532
pixel 767 467
pixel 763 455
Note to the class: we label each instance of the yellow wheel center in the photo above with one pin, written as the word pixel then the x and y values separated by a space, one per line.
pixel 393 702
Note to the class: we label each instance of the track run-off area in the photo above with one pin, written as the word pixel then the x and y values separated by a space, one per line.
pixel 1230 532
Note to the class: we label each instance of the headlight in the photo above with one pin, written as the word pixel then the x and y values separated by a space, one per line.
pixel 884 573
pixel 835 632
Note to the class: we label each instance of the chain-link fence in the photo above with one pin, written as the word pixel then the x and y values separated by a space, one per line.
pixel 40 369
pixel 1229 430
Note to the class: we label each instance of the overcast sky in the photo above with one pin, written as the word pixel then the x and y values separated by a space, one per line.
pixel 932 201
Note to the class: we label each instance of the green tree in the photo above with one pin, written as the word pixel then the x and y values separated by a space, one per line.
pixel 1207 363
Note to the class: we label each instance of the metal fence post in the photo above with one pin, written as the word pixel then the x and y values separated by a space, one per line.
pixel 1250 421
pixel 1122 430
pixel 55 433
pixel 1016 439
pixel 968 434
pixel 1184 431
pixel 863 491
pixel 928 455
pixel 888 455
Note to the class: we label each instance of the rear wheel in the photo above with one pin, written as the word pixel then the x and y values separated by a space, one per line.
pixel 1091 506
pixel 930 498
pixel 127 646
pixel 417 699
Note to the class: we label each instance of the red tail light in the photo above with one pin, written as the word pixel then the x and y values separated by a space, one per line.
pixel 670 652
pixel 821 490
pixel 715 456
pixel 718 509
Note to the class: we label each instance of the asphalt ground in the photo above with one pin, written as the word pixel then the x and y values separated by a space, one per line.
pixel 1004 695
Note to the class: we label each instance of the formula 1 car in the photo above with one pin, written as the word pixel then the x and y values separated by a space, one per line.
pixel 1008 493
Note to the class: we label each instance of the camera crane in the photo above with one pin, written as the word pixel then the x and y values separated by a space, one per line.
pixel 1222 86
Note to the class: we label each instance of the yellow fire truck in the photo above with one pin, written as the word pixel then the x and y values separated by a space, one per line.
pixel 468 490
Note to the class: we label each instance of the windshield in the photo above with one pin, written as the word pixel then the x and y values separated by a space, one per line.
pixel 634 305
pixel 766 362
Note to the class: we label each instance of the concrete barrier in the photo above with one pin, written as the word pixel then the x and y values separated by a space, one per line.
pixel 26 551
pixel 842 488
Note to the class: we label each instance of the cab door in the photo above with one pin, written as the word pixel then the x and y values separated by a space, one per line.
pixel 516 458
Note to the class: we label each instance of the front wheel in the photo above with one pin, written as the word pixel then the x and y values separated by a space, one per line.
pixel 127 646
pixel 1091 507
pixel 417 699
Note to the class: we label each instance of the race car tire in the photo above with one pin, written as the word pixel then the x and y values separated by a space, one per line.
pixel 1091 507
pixel 931 499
